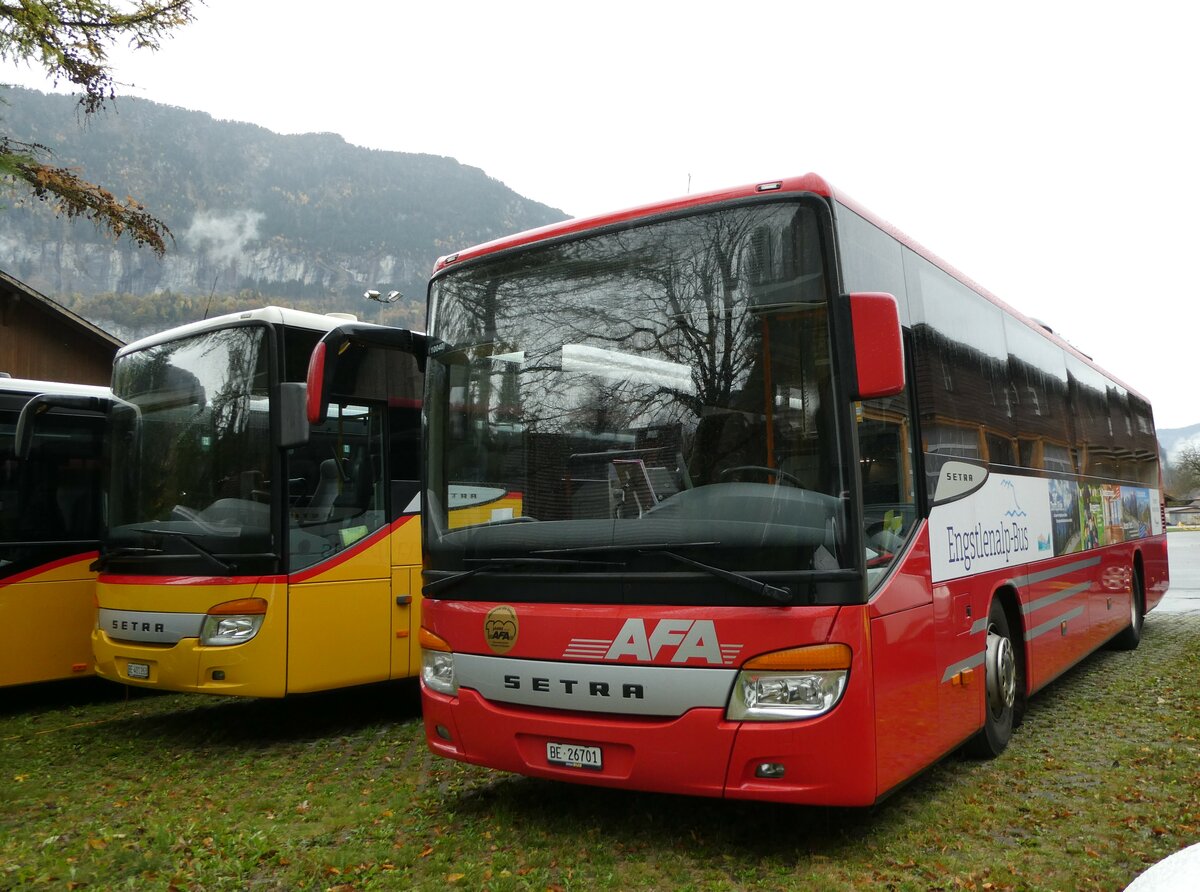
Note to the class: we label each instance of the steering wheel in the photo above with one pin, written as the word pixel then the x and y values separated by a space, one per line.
pixel 763 469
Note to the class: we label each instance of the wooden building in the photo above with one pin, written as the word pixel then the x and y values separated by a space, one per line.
pixel 43 340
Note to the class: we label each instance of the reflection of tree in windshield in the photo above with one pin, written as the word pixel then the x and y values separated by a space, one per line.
pixel 667 292
pixel 664 384
pixel 202 425
pixel 672 311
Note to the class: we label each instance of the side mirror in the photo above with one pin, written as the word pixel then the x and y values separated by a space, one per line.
pixel 27 421
pixel 331 351
pixel 317 382
pixel 878 345
pixel 293 420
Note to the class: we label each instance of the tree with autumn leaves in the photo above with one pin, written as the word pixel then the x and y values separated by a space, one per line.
pixel 70 39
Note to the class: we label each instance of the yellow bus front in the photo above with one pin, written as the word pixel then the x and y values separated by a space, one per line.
pixel 247 553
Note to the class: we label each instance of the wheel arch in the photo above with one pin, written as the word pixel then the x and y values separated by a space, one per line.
pixel 1139 565
pixel 1008 596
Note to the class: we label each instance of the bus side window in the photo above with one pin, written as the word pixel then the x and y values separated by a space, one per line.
pixel 404 458
pixel 335 488
pixel 886 470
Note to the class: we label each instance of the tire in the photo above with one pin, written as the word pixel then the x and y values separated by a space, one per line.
pixel 1131 636
pixel 1000 672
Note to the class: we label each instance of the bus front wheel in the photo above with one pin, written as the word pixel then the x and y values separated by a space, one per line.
pixel 1000 680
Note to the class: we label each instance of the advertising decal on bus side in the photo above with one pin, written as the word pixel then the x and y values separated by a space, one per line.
pixel 1012 520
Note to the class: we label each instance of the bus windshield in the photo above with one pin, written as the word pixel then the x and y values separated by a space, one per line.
pixel 659 396
pixel 191 450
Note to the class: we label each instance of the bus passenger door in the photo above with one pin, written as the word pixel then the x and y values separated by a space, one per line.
pixel 384 368
pixel 404 462
pixel 339 613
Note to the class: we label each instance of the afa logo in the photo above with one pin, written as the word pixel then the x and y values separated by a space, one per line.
pixel 500 629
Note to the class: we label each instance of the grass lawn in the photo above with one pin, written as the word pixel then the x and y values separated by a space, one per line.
pixel 102 790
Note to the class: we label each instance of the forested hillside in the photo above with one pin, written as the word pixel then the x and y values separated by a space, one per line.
pixel 257 218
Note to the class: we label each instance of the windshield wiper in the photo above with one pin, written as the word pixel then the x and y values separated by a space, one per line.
pixel 508 563
pixel 100 564
pixel 224 566
pixel 781 596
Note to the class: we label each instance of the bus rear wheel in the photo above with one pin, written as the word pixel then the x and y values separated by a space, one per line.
pixel 1131 635
pixel 1000 680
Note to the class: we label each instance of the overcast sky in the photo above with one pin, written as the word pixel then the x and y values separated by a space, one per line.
pixel 1048 150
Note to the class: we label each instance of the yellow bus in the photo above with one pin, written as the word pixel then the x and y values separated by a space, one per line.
pixel 49 525
pixel 247 551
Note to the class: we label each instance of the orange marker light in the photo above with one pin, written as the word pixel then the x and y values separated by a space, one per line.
pixel 430 641
pixel 240 607
pixel 816 657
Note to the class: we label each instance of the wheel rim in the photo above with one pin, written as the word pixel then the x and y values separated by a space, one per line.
pixel 1001 673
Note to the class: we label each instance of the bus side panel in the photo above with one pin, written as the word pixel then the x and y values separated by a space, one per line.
pixel 405 597
pixel 406 622
pixel 50 615
pixel 828 760
pixel 1110 596
pixel 1055 614
pixel 907 651
pixel 1154 563
pixel 253 669
pixel 907 730
pixel 340 621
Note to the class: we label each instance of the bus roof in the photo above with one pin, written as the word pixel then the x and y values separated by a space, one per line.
pixel 272 315
pixel 33 387
pixel 809 183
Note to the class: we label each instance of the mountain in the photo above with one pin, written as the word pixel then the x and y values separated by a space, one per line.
pixel 257 218
pixel 1172 441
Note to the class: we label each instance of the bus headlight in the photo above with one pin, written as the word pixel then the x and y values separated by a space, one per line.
pixel 437 664
pixel 787 685
pixel 234 622
pixel 437 671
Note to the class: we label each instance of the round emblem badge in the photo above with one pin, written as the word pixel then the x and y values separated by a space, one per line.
pixel 500 629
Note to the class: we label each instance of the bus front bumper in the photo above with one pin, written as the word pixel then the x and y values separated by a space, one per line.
pixel 185 666
pixel 828 760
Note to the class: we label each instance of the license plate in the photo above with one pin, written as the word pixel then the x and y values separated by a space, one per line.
pixel 137 670
pixel 574 756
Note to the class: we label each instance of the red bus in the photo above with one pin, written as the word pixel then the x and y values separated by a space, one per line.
pixel 802 508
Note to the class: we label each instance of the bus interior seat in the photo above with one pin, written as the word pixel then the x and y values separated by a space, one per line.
pixel 326 492
pixel 881 483
pixel 357 494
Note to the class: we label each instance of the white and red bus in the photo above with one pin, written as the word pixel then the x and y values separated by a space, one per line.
pixel 802 508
